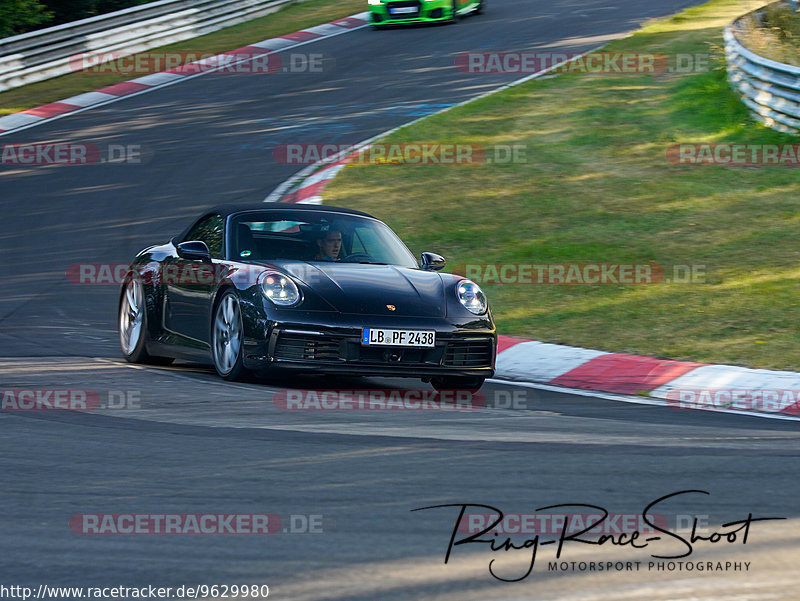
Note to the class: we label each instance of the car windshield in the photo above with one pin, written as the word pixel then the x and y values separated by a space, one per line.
pixel 315 236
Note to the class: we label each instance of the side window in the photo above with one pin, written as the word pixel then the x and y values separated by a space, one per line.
pixel 209 230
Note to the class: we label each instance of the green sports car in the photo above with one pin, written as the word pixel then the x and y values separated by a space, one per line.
pixel 396 12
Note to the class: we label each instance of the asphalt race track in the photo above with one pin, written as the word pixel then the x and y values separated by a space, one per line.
pixel 188 442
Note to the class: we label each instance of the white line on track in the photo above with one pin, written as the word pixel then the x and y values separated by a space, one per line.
pixel 175 373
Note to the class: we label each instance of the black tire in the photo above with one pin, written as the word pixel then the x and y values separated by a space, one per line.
pixel 227 338
pixel 472 384
pixel 481 7
pixel 378 25
pixel 127 316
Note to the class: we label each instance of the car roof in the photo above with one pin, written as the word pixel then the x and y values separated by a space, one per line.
pixel 232 209
pixel 227 210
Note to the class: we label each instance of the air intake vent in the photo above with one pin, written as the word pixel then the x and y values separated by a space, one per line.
pixel 469 353
pixel 307 347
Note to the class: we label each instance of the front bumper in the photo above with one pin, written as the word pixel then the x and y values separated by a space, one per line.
pixel 324 348
pixel 427 11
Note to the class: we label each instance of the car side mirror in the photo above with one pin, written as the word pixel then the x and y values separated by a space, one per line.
pixel 432 262
pixel 194 250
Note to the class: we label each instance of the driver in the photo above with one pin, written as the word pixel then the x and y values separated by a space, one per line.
pixel 330 246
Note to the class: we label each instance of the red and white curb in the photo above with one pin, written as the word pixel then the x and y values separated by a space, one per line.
pixel 310 189
pixel 82 102
pixel 677 384
pixel 574 367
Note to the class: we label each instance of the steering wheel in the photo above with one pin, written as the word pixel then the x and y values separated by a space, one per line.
pixel 357 257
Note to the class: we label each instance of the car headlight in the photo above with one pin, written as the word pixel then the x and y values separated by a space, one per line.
pixel 375 2
pixel 279 289
pixel 472 297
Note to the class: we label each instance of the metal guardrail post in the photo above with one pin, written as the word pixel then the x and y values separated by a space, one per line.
pixel 47 53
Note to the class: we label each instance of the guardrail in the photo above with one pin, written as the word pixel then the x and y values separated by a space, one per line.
pixel 46 53
pixel 771 90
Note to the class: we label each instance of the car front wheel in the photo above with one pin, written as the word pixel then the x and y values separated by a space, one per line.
pixel 227 345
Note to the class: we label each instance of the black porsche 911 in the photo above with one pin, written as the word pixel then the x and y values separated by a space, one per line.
pixel 320 289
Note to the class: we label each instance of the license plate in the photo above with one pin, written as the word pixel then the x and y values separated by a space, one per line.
pixel 402 10
pixel 381 337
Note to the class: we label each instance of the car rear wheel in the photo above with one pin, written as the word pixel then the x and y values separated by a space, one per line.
pixel 227 345
pixel 472 384
pixel 133 326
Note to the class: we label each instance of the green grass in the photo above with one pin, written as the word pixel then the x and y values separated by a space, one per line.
pixel 597 187
pixel 288 20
